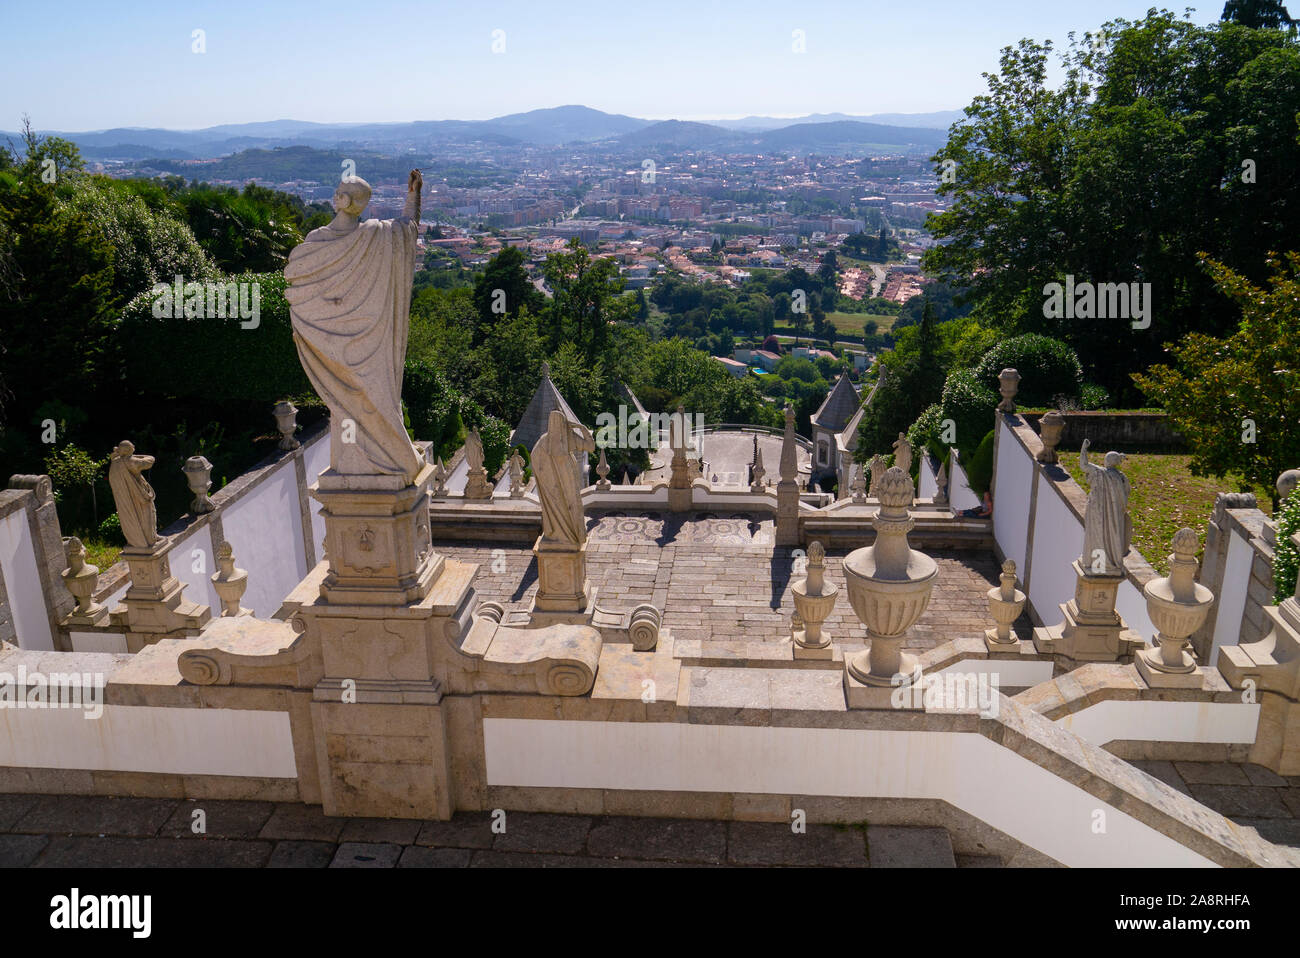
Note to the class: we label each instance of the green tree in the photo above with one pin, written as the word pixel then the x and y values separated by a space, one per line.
pixel 1258 13
pixel 587 299
pixel 1146 152
pixel 1233 398
pixel 502 290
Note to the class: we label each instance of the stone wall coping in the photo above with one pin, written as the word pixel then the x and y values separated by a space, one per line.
pixel 1097 682
pixel 12 500
pixel 111 579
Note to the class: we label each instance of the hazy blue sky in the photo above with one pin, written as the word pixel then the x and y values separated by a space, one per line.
pixel 92 65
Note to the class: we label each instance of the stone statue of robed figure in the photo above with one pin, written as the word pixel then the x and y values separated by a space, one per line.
pixel 1107 529
pixel 349 299
pixel 133 496
pixel 559 479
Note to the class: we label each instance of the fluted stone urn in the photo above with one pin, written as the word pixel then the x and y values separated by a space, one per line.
pixel 286 421
pixel 889 587
pixel 814 598
pixel 198 474
pixel 81 577
pixel 1006 602
pixel 1050 428
pixel 229 582
pixel 1008 386
pixel 1177 604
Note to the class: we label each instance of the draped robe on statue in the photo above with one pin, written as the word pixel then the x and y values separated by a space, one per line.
pixel 134 499
pixel 349 297
pixel 559 480
pixel 1105 520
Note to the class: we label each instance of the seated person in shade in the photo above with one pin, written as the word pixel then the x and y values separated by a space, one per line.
pixel 980 512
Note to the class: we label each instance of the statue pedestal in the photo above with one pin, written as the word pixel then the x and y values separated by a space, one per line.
pixel 477 485
pixel 1092 631
pixel 1157 675
pixel 993 644
pixel 154 604
pixel 562 584
pixel 377 538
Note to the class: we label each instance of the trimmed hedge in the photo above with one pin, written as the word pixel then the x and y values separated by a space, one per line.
pixel 217 360
pixel 1048 369
pixel 979 469
pixel 970 405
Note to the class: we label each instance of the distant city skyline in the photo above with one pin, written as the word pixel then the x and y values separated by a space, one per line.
pixel 394 61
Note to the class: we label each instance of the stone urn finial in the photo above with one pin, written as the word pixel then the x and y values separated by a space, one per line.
pixel 1177 604
pixel 198 473
pixel 81 578
pixel 1050 428
pixel 889 586
pixel 229 582
pixel 814 598
pixel 1006 602
pixel 1008 386
pixel 286 420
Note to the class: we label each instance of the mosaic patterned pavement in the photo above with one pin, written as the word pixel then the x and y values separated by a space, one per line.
pixel 718 577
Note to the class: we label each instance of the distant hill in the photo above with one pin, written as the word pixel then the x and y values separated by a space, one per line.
pixel 552 126
pixel 830 137
pixel 939 120
pixel 681 135
pixel 565 124
pixel 849 134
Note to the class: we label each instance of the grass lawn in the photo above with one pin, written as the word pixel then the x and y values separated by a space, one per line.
pixel 851 323
pixel 1165 497
pixel 101 553
pixel 846 324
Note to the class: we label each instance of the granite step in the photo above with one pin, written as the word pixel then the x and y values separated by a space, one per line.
pixel 895 846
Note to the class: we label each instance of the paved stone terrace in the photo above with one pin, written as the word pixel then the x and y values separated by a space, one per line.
pixel 1248 794
pixel 719 577
pixel 50 831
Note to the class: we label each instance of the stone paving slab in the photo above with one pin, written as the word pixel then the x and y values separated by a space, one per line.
pixel 19 851
pixel 13 808
pixel 366 855
pixel 682 840
pixel 229 819
pixel 394 831
pixel 531 840
pixel 762 843
pixel 464 830
pixel 1246 801
pixel 531 832
pixel 112 852
pixel 96 815
pixel 417 856
pixel 295 854
pixel 302 823
pixel 889 846
pixel 1211 773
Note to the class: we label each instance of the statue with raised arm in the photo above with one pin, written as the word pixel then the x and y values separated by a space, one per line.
pixel 559 479
pixel 133 496
pixel 349 299
pixel 1107 529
